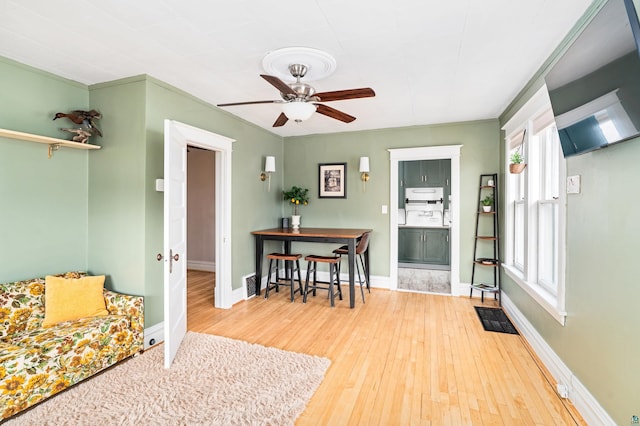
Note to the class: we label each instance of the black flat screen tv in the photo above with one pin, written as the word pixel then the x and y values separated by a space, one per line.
pixel 595 85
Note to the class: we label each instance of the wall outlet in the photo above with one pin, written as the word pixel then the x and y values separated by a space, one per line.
pixel 563 390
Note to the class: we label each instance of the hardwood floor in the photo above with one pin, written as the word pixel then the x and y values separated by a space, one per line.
pixel 401 358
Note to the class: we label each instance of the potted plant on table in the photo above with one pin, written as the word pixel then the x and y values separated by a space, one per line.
pixel 296 196
pixel 487 203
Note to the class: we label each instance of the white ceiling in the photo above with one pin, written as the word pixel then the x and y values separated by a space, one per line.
pixel 429 61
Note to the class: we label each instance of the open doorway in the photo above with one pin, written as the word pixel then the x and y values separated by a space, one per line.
pixel 448 155
pixel 201 233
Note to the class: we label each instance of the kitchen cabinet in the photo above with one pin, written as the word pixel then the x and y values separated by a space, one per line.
pixel 401 185
pixel 446 176
pixel 426 173
pixel 423 245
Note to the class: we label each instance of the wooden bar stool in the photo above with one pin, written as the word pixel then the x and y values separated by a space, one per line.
pixel 291 265
pixel 334 279
pixel 362 247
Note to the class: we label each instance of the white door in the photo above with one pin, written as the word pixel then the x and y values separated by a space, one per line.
pixel 175 239
pixel 176 137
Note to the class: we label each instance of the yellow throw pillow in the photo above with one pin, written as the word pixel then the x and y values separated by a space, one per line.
pixel 70 299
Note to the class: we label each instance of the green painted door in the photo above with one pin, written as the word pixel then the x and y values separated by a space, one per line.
pixel 401 185
pixel 436 246
pixel 433 173
pixel 410 245
pixel 413 176
pixel 446 177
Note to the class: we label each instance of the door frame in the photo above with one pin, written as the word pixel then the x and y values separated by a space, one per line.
pixel 445 152
pixel 223 147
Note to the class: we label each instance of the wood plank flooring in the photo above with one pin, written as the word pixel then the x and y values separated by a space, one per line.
pixel 399 359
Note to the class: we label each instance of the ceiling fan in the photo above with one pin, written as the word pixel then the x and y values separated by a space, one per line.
pixel 300 100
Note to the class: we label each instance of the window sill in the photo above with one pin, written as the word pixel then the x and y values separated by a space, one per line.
pixel 548 302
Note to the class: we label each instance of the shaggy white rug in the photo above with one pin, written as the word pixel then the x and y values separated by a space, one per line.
pixel 213 381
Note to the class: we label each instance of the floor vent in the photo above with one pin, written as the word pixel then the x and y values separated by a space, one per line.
pixel 250 285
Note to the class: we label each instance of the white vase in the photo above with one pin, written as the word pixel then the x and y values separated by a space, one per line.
pixel 486 209
pixel 295 221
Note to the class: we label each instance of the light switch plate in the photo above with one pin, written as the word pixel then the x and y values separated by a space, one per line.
pixel 385 209
pixel 573 184
pixel 160 185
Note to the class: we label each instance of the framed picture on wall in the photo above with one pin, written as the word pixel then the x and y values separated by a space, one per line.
pixel 332 180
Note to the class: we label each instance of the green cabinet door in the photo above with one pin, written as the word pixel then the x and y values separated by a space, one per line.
pixel 423 245
pixel 401 185
pixel 410 245
pixel 436 246
pixel 425 173
pixel 433 173
pixel 446 177
pixel 413 174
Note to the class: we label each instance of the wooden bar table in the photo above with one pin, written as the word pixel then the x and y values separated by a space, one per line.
pixel 344 236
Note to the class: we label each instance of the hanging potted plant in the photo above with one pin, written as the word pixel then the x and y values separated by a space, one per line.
pixel 517 164
pixel 296 196
pixel 487 203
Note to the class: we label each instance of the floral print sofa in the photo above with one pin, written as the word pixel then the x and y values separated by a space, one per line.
pixel 37 362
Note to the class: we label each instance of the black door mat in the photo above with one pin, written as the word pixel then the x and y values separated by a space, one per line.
pixel 494 319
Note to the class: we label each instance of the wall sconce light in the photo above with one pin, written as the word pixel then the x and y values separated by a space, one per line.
pixel 269 167
pixel 364 171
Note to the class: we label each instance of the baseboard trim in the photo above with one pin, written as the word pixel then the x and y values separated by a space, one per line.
pixel 154 334
pixel 588 407
pixel 199 265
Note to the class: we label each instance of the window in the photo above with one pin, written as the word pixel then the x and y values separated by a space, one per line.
pixel 549 156
pixel 535 213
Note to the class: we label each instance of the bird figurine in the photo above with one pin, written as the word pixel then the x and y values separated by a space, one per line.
pixel 83 118
pixel 81 135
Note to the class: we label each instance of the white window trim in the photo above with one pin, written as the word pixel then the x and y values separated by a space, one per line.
pixel 553 304
pixel 539 294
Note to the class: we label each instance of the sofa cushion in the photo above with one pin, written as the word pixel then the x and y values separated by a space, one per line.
pixel 68 299
pixel 82 347
pixel 18 366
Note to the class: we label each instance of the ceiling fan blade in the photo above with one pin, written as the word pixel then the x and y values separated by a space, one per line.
pixel 249 103
pixel 339 95
pixel 281 120
pixel 334 113
pixel 278 84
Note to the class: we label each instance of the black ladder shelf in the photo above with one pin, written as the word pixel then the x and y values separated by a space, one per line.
pixel 487 239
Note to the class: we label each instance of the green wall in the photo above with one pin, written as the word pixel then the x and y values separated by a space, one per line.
pixel 126 212
pixel 43 202
pixel 116 188
pixel 252 206
pixel 479 154
pixel 599 342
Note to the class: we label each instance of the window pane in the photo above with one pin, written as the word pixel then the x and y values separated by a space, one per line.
pixel 552 164
pixel 548 246
pixel 518 233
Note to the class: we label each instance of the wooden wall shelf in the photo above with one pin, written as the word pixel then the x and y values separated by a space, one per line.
pixel 54 143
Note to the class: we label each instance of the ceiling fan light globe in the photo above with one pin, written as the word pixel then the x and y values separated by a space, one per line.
pixel 298 111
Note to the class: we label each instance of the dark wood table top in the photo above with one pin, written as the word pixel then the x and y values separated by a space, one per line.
pixel 314 232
